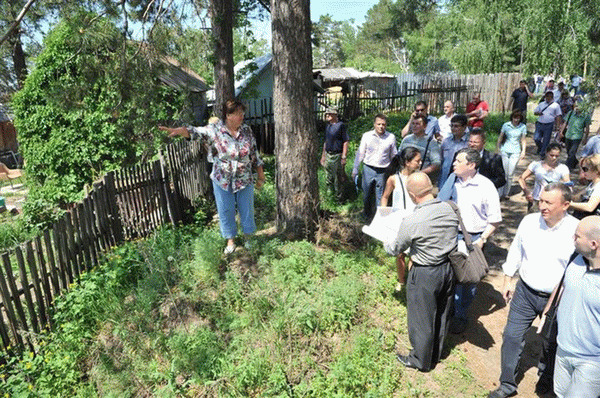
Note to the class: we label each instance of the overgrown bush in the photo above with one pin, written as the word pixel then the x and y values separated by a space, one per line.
pixel 90 105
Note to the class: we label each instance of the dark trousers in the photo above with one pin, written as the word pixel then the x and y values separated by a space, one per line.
pixel 373 184
pixel 429 293
pixel 543 133
pixel 572 146
pixel 524 307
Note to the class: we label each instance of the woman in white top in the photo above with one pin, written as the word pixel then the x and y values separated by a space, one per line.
pixel 403 164
pixel 545 172
pixel 589 199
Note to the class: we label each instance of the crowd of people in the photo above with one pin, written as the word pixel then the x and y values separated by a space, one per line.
pixel 450 151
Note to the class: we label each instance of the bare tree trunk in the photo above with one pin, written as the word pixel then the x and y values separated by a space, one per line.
pixel 18 57
pixel 222 26
pixel 295 131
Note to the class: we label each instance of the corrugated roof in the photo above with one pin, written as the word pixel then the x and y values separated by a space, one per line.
pixel 334 74
pixel 182 78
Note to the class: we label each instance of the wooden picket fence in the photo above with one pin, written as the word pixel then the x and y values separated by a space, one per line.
pixel 127 204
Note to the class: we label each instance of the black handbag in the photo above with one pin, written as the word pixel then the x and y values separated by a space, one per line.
pixel 470 268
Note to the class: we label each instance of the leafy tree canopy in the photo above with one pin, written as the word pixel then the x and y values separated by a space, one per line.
pixel 90 105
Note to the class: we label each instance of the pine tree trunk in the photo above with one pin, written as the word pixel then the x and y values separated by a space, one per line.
pixel 18 56
pixel 295 132
pixel 222 28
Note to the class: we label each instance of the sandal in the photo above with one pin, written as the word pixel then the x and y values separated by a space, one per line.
pixel 229 249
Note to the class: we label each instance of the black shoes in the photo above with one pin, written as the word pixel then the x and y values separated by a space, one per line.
pixel 500 393
pixel 404 360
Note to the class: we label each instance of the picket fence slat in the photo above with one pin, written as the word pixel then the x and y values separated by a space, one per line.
pixel 37 286
pixel 126 204
pixel 10 308
pixel 27 291
pixel 54 275
pixel 44 276
pixel 14 292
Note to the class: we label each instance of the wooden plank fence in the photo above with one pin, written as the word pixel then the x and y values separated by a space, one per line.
pixel 126 204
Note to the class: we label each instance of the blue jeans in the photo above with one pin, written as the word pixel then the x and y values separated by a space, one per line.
pixel 464 292
pixel 373 180
pixel 576 377
pixel 543 133
pixel 227 201
pixel 509 162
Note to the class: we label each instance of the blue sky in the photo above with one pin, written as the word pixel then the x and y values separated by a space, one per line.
pixel 340 10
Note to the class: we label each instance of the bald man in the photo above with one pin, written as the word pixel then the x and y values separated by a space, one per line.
pixel 577 367
pixel 430 232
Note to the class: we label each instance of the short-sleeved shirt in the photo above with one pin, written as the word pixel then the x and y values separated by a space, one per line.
pixel 520 98
pixel 430 231
pixel 549 112
pixel 433 152
pixel 471 107
pixel 233 158
pixel 513 135
pixel 579 312
pixel 444 125
pixel 591 147
pixel 577 124
pixel 431 128
pixel 544 177
pixel 540 253
pixel 448 148
pixel 478 201
pixel 335 136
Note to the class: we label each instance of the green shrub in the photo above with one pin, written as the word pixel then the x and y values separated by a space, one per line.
pixel 199 352
pixel 90 105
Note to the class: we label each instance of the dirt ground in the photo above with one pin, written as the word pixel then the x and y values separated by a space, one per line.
pixel 482 340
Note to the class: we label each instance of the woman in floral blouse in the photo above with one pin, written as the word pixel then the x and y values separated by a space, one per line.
pixel 234 157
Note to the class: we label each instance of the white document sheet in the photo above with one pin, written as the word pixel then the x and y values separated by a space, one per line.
pixel 386 223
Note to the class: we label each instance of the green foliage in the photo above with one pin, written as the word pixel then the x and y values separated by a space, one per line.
pixel 90 105
pixel 14 230
pixel 169 316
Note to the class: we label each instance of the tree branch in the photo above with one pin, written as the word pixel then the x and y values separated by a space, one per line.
pixel 17 21
pixel 262 2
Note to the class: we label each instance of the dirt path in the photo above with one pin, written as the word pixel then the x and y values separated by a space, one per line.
pixel 482 341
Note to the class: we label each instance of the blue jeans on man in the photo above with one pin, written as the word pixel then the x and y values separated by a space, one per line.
pixel 373 180
pixel 543 134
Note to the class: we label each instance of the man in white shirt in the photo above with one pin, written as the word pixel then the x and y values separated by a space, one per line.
pixel 444 120
pixel 376 150
pixel 479 204
pixel 540 251
pixel 548 112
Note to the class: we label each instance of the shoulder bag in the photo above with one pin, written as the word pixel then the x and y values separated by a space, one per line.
pixel 548 318
pixel 468 268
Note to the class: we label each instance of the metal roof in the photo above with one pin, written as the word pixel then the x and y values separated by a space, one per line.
pixel 335 74
pixel 182 78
